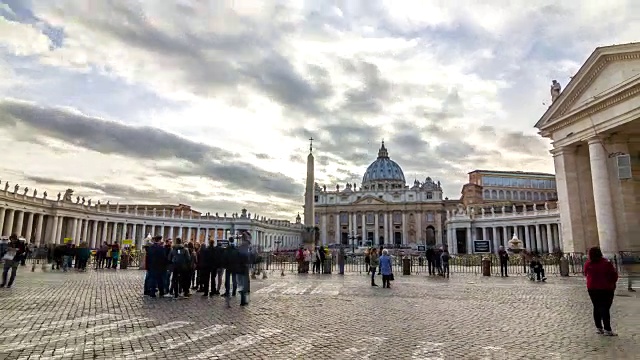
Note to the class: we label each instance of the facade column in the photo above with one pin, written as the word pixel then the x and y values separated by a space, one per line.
pixel 550 245
pixel 198 235
pixel 123 233
pixel 404 228
pixel 3 211
pixel 469 240
pixel 19 224
pixel 496 241
pixel 569 203
pixel 94 234
pixel 114 232
pixel 376 229
pixel 54 230
pixel 85 231
pixel 527 238
pixel 189 233
pixel 59 232
pixel 29 233
pixel 505 235
pixel 603 203
pixel 103 237
pixel 74 230
pixel 8 229
pixel 538 238
pixel 39 225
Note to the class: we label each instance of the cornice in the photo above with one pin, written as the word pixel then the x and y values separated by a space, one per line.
pixel 583 83
pixel 600 106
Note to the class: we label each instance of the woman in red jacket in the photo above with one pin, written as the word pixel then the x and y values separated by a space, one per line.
pixel 601 285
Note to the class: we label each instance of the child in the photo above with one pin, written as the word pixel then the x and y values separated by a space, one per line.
pixel 536 268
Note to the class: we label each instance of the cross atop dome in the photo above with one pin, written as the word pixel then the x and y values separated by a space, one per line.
pixel 382 153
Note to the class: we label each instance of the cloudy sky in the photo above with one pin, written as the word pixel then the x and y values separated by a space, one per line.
pixel 212 103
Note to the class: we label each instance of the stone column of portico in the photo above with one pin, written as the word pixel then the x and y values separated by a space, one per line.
pixel 404 228
pixel 198 235
pixel 189 232
pixel 59 232
pixel 550 245
pixel 19 223
pixel 505 235
pixel 94 234
pixel 527 238
pixel 54 230
pixel 171 231
pixel 538 245
pixel 39 225
pixel 3 211
pixel 74 230
pixel 103 237
pixel 180 232
pixel 123 233
pixel 376 228
pixel 569 199
pixel 605 215
pixel 114 232
pixel 496 241
pixel 28 234
pixel 85 231
pixel 9 223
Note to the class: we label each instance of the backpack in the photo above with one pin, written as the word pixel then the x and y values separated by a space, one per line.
pixel 181 259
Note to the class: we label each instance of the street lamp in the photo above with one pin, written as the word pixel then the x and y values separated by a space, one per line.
pixel 353 238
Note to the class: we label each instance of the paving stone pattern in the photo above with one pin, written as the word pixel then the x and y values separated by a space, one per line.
pixel 102 315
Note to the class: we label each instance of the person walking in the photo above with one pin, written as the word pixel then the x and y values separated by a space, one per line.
pixel 12 257
pixel 180 260
pixel 157 264
pixel 374 261
pixel 602 278
pixel 386 269
pixel 503 255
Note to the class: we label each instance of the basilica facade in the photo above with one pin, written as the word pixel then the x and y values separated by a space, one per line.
pixel 383 210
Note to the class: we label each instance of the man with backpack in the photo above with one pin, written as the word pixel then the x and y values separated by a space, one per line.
pixel 180 260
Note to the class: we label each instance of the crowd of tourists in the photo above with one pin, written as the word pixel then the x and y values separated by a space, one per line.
pixel 174 270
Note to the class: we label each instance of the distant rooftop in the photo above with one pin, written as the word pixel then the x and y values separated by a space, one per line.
pixel 516 173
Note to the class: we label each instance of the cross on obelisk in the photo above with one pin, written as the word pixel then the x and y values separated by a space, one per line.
pixel 311 144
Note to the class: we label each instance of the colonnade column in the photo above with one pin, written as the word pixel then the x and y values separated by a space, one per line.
pixel 602 200
pixel 19 223
pixel 85 232
pixel 74 229
pixel 39 225
pixel 94 234
pixel 538 245
pixel 376 233
pixel 54 230
pixel 103 238
pixel 3 211
pixel 29 233
pixel 59 232
pixel 9 228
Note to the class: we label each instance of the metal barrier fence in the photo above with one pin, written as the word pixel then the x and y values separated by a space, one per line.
pixel 39 258
pixel 461 264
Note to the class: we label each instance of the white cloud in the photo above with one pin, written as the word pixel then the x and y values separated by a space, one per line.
pixel 252 76
pixel 21 39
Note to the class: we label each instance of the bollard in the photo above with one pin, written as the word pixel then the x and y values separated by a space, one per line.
pixel 264 275
pixel 486 266
pixel 564 266
pixel 406 265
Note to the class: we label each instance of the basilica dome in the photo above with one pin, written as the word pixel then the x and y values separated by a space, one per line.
pixel 383 169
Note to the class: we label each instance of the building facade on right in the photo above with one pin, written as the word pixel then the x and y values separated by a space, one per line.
pixel 594 125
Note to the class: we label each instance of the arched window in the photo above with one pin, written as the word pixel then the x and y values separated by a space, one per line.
pixel 536 196
pixel 494 195
pixel 487 194
pixel 529 195
pixel 501 194
pixel 521 196
pixel 508 194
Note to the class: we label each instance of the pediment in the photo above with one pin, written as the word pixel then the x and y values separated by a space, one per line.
pixel 369 200
pixel 606 70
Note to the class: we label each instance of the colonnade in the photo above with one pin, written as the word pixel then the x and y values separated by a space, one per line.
pixel 41 228
pixel 541 237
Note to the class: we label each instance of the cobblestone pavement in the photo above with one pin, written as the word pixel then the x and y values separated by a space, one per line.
pixel 102 315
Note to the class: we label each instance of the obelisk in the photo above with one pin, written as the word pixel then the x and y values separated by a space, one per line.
pixel 309 201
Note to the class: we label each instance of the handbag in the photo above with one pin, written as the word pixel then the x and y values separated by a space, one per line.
pixel 391 278
pixel 9 255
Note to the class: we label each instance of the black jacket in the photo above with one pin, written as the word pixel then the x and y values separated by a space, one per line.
pixel 157 259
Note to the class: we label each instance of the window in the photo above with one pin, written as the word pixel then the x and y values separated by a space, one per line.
pixel 501 195
pixel 429 195
pixel 370 218
pixel 508 194
pixel 494 195
pixel 430 217
pixel 344 218
pixel 486 194
pixel 397 217
pixel 315 198
pixel 536 196
pixel 529 196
